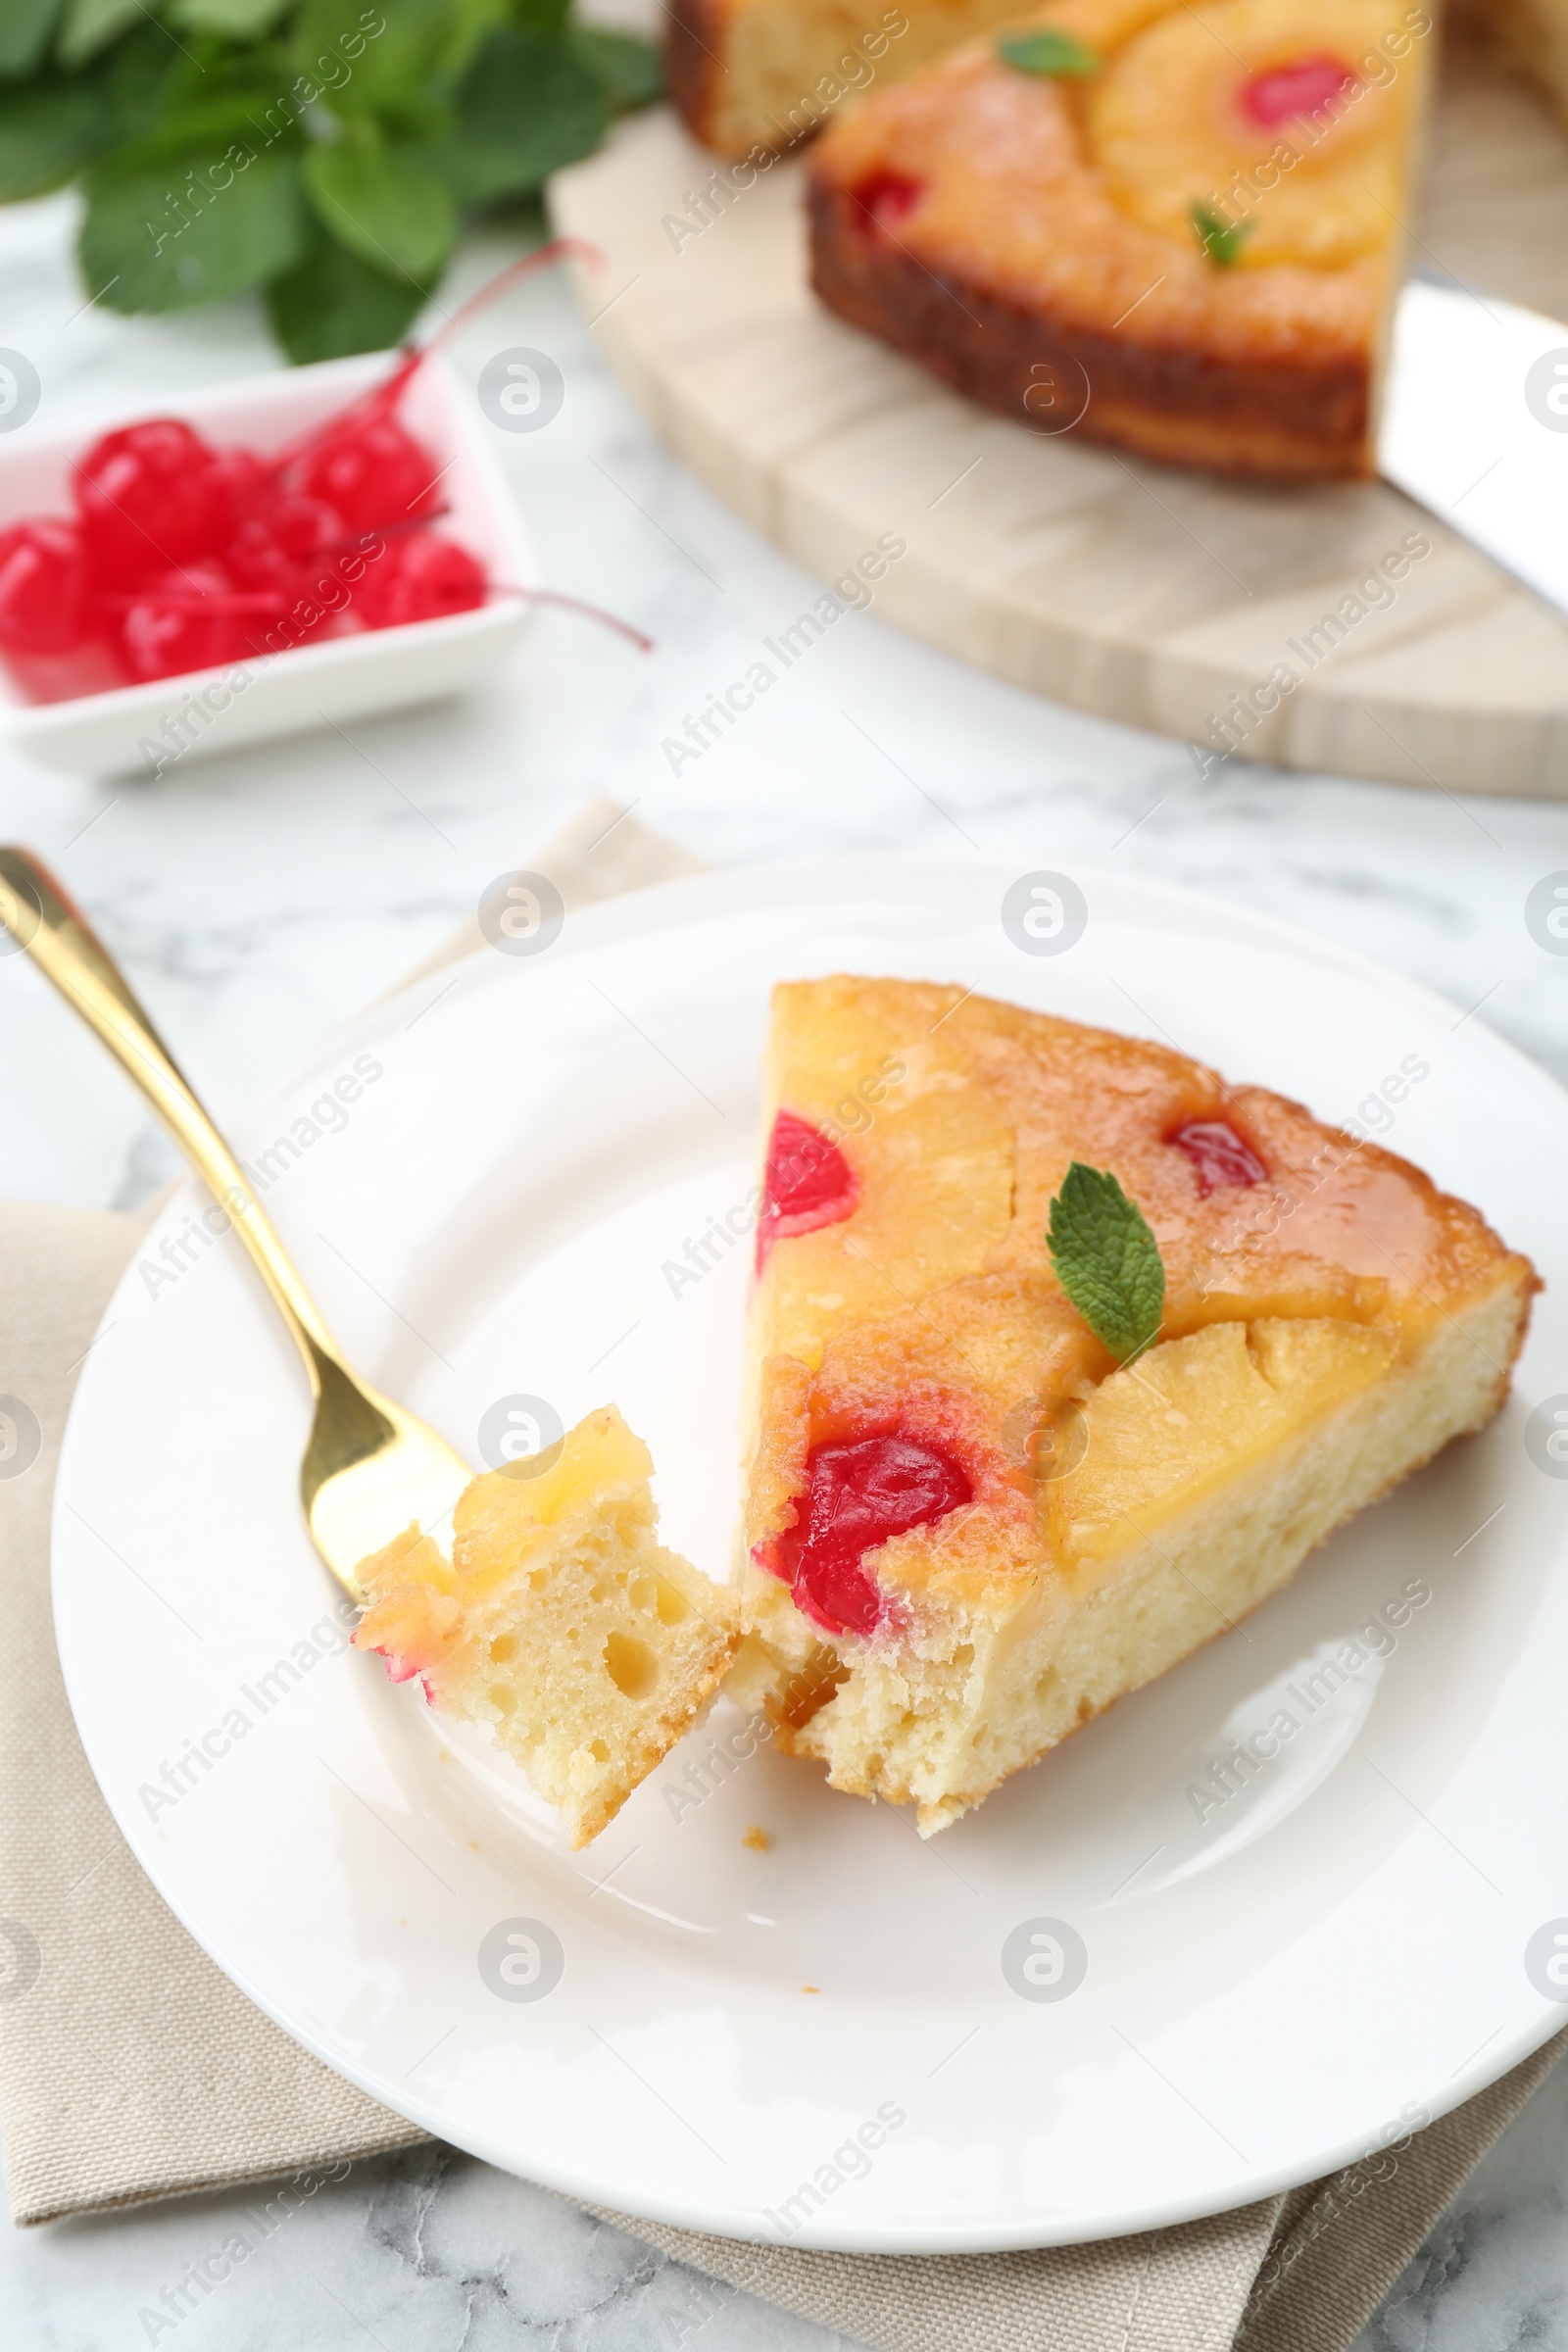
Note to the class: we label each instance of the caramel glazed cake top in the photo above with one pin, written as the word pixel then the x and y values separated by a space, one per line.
pixel 1186 244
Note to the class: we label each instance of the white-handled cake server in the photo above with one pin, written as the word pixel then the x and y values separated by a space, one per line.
pixel 1475 426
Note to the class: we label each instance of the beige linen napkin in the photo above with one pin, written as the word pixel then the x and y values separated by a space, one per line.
pixel 130 2068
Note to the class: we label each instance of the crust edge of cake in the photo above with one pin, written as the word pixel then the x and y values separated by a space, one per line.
pixel 1311 422
pixel 693 36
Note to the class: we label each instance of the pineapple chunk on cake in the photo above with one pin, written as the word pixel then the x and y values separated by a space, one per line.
pixel 560 1621
pixel 1169 123
pixel 970 1526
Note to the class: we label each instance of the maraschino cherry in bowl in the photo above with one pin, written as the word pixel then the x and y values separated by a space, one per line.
pixel 319 607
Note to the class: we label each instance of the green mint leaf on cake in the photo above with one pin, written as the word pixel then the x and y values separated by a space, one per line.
pixel 1221 240
pixel 1107 1260
pixel 1058 55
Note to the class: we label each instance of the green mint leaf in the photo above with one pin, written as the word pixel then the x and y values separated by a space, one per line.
pixel 629 71
pixel 214 134
pixel 1060 56
pixel 422 49
pixel 527 108
pixel 332 304
pixel 25 30
pixel 468 24
pixel 141 81
pixel 149 243
pixel 386 205
pixel 89 25
pixel 548 17
pixel 1107 1260
pixel 1221 240
pixel 236 20
pixel 47 132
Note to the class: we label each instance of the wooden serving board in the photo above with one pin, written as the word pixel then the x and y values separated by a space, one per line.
pixel 1128 589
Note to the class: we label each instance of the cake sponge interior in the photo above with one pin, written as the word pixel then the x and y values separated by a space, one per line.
pixel 560 1620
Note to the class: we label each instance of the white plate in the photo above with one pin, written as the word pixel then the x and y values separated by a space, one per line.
pixel 210 710
pixel 1334 1954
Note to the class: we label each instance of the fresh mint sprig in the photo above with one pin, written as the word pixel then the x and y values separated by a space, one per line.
pixel 1107 1260
pixel 321 153
pixel 1049 52
pixel 1221 240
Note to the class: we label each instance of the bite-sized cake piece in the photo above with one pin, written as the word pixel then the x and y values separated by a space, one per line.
pixel 969 1526
pixel 1173 228
pixel 560 1620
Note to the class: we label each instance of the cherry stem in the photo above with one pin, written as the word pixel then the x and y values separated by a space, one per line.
pixel 385 396
pixel 559 249
pixel 575 604
pixel 244 600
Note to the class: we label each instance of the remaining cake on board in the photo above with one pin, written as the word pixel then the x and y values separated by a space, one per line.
pixel 1176 227
pixel 969 1528
pixel 757 76
pixel 1172 229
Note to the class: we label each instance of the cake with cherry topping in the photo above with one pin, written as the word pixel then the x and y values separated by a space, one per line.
pixel 758 76
pixel 970 1525
pixel 560 1620
pixel 1172 229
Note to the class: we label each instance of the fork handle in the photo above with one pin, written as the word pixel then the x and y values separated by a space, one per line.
pixel 37 912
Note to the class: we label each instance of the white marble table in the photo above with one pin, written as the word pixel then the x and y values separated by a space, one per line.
pixel 257 900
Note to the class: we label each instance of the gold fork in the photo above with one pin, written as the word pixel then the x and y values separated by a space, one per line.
pixel 369 1468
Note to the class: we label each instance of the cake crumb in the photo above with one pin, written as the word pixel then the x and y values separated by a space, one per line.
pixel 810 1987
pixel 758 1840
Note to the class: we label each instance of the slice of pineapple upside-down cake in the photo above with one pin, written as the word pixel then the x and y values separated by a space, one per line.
pixel 970 1524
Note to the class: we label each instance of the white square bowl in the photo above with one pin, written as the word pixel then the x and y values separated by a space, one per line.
pixel 336 678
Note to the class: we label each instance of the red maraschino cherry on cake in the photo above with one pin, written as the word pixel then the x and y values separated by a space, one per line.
pixel 1061 1361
